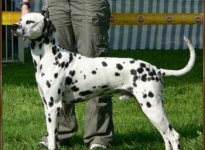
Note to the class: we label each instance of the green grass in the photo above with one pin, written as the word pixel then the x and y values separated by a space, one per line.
pixel 23 115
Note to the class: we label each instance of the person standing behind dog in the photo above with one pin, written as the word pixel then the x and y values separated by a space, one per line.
pixel 85 23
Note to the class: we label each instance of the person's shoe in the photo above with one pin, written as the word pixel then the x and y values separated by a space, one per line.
pixel 97 147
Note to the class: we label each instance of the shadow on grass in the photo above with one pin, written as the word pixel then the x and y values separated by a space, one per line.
pixel 147 138
pixel 142 140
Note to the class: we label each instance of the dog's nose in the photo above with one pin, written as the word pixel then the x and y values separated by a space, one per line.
pixel 15 26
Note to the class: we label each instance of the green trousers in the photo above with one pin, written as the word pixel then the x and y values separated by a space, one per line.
pixel 85 24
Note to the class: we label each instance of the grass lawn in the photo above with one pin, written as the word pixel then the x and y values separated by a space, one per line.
pixel 23 115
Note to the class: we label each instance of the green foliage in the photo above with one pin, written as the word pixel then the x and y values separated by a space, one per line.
pixel 23 115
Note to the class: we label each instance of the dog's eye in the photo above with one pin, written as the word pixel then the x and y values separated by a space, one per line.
pixel 29 21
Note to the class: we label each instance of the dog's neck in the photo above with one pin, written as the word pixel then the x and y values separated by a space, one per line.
pixel 38 45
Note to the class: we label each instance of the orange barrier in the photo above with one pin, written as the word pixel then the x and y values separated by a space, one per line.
pixel 9 18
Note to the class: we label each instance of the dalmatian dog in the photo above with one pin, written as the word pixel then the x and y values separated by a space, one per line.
pixel 66 77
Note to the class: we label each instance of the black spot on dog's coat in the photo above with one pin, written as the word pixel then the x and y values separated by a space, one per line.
pixel 72 73
pixel 150 94
pixel 142 65
pixel 152 73
pixel 70 58
pixel 147 69
pixel 41 56
pixel 117 74
pixel 133 72
pixel 119 66
pixel 48 84
pixel 59 56
pixel 104 63
pixel 30 21
pixel 104 86
pixel 42 74
pixel 74 89
pixel 62 64
pixel 134 84
pixel 51 98
pixel 140 70
pixel 84 93
pixel 148 104
pixel 58 111
pixel 144 77
pixel 55 75
pixel 54 50
pixel 59 91
pixel 66 65
pixel 135 78
pixel 68 80
pixel 50 104
pixel 34 62
pixel 94 72
pixel 132 61
pixel 144 95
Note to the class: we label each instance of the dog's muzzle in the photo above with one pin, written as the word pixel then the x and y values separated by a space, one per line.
pixel 14 29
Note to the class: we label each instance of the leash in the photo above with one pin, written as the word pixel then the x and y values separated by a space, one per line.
pixel 45 8
pixel 45 4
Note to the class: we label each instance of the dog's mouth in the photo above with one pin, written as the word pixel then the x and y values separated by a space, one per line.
pixel 15 33
pixel 15 29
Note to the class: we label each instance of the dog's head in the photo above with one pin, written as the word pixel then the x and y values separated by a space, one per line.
pixel 32 26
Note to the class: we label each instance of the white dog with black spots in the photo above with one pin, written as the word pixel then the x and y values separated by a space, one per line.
pixel 66 77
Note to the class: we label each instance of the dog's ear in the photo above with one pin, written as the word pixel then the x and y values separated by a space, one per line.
pixel 45 13
pixel 49 28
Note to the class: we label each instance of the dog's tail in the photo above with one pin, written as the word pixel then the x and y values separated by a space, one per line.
pixel 187 68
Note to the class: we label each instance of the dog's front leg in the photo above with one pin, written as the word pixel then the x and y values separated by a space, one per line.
pixel 51 119
pixel 53 112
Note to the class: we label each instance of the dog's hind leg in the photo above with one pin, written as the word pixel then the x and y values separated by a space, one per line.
pixel 150 100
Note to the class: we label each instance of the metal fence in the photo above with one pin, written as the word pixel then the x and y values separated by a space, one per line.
pixel 129 36
pixel 12 47
pixel 134 37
